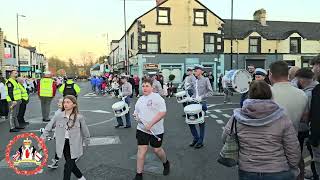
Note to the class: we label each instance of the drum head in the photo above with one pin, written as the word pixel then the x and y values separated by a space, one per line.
pixel 193 108
pixel 118 105
pixel 241 81
pixel 181 93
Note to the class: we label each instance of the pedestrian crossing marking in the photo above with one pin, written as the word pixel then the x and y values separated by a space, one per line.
pixel 218 111
pixel 213 116
pixel 99 141
pixel 90 94
pixel 226 115
pixel 220 122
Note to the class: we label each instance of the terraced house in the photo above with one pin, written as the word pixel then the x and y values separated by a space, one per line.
pixel 180 33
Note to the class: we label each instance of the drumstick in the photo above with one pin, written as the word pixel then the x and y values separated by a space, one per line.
pixel 140 121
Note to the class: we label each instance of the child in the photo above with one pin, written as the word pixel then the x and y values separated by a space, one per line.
pixel 71 133
pixel 103 87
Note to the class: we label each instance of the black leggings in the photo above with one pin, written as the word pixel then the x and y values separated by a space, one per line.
pixel 70 165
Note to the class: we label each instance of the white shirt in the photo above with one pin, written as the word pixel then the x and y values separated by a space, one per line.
pixel 147 107
pixel 292 99
pixel 3 91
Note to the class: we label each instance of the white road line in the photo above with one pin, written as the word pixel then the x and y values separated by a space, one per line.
pixel 220 122
pixel 213 116
pixel 206 116
pixel 218 111
pixel 226 115
pixel 213 105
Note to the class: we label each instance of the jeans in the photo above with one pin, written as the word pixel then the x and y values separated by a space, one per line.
pixel 45 107
pixel 70 165
pixel 196 137
pixel 285 175
pixel 128 120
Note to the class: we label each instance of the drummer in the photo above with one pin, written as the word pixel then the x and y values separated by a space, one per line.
pixel 126 91
pixel 201 90
pixel 189 83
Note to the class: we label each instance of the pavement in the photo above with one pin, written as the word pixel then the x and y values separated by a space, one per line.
pixel 112 153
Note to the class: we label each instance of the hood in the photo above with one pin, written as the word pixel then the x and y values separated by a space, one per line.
pixel 256 112
pixel 311 86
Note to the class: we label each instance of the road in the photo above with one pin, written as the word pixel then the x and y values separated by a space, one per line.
pixel 112 154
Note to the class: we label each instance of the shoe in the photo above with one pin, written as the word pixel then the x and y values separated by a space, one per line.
pixel 82 178
pixel 54 164
pixel 45 120
pixel 198 146
pixel 19 127
pixel 26 123
pixel 166 168
pixel 117 126
pixel 127 127
pixel 138 177
pixel 193 143
pixel 14 130
pixel 77 159
pixel 184 115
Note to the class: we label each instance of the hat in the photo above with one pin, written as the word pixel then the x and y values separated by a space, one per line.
pixel 189 69
pixel 123 77
pixel 198 66
pixel 260 71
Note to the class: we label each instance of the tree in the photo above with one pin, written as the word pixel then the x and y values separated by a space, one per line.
pixel 56 63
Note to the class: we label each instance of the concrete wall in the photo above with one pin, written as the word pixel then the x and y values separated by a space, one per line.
pixel 181 36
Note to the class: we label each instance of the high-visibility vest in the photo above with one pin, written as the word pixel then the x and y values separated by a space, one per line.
pixel 46 87
pixel 16 90
pixel 24 93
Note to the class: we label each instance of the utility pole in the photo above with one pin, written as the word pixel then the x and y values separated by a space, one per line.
pixel 231 65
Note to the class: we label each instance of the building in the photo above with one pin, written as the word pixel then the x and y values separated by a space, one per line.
pixel 261 42
pixel 172 36
pixel 177 34
pixel 2 70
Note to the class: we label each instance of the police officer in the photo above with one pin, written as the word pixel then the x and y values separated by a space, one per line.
pixel 14 99
pixel 70 88
pixel 46 91
pixel 201 90
pixel 24 102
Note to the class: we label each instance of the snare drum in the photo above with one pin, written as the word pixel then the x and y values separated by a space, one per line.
pixel 194 114
pixel 120 108
pixel 237 80
pixel 181 96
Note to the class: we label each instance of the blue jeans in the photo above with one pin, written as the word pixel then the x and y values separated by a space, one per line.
pixel 285 175
pixel 196 137
pixel 128 120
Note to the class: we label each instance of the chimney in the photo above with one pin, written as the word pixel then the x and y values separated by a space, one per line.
pixel 159 1
pixel 260 16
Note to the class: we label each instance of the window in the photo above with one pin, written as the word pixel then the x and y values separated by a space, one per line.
pixel 200 17
pixel 254 45
pixel 209 43
pixel 132 41
pixel 163 16
pixel 153 42
pixel 5 45
pixel 295 45
pixel 14 52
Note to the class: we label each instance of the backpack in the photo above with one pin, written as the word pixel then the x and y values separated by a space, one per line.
pixel 69 90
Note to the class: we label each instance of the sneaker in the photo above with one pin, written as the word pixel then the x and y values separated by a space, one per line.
pixel 127 127
pixel 82 178
pixel 138 177
pixel 14 130
pixel 166 168
pixel 193 143
pixel 117 126
pixel 54 164
pixel 198 146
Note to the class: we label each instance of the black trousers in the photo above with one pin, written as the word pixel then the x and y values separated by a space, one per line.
pixel 136 89
pixel 70 165
pixel 22 111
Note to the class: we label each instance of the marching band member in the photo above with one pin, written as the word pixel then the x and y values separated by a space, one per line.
pixel 126 89
pixel 150 110
pixel 202 89
pixel 189 84
pixel 157 88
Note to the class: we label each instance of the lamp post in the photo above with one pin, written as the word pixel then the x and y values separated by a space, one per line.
pixel 126 58
pixel 18 41
pixel 231 65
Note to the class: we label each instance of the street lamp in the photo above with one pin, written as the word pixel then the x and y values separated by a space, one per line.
pixel 231 65
pixel 18 15
pixel 126 58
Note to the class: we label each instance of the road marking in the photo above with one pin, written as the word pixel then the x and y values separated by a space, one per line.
pixel 223 109
pixel 206 116
pixel 220 122
pixel 213 116
pixel 90 94
pixel 109 120
pixel 96 111
pixel 226 115
pixel 218 111
pixel 213 105
pixel 99 141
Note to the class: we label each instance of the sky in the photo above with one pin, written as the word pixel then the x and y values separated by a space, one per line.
pixel 72 28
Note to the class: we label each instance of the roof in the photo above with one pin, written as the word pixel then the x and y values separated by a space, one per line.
pixel 6 41
pixel 275 30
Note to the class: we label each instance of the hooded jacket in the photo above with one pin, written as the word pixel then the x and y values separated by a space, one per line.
pixel 267 139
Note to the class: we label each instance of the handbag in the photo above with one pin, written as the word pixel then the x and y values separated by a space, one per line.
pixel 229 154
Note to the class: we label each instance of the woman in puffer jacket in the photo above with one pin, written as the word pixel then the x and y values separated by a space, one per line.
pixel 269 147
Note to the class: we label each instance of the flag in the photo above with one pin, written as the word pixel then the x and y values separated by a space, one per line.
pixel 16 156
pixel 37 156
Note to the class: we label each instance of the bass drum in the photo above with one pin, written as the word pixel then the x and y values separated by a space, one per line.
pixel 237 80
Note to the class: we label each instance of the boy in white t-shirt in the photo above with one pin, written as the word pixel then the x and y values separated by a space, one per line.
pixel 150 109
